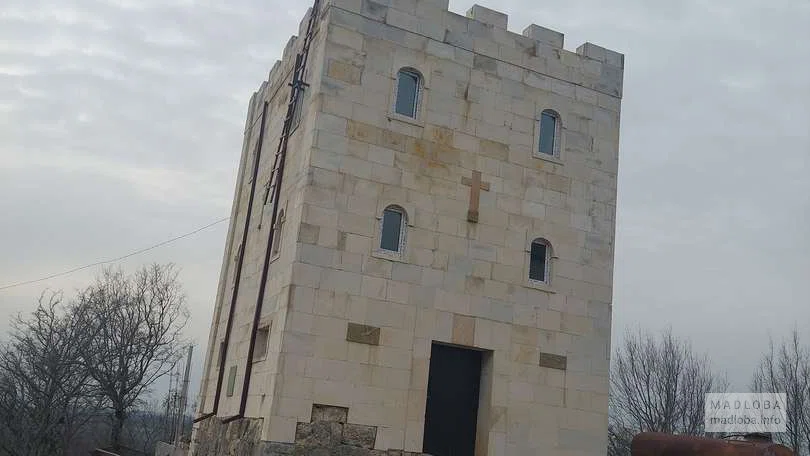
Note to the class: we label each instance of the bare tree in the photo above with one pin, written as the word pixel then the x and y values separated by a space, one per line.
pixel 619 439
pixel 146 426
pixel 658 384
pixel 786 369
pixel 137 323
pixel 46 396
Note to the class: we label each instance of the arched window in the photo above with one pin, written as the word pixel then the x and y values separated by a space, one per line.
pixel 540 261
pixel 408 91
pixel 550 124
pixel 392 230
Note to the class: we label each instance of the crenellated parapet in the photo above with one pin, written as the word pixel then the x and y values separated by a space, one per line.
pixel 484 31
pixel 281 71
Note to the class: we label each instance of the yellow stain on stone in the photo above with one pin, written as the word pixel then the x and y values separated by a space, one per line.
pixel 559 183
pixel 493 149
pixel 362 132
pixel 345 72
pixel 425 150
pixel 463 330
pixel 393 140
pixel 440 135
pixel 523 354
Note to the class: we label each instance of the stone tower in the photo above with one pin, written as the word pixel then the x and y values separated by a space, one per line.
pixel 434 273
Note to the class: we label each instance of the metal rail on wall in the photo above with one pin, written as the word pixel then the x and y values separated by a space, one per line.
pixel 274 193
pixel 298 86
pixel 223 349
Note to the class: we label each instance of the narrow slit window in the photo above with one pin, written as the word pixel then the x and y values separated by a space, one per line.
pixel 407 96
pixel 262 338
pixel 231 382
pixel 277 233
pixel 539 261
pixel 392 227
pixel 549 133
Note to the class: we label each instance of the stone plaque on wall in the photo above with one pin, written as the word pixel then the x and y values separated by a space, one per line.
pixel 553 361
pixel 362 334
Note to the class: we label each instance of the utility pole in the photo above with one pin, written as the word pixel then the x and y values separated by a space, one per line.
pixel 181 413
pixel 168 421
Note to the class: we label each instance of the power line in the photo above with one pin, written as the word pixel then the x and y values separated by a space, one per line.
pixel 114 260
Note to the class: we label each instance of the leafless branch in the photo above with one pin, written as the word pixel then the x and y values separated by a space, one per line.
pixel 658 383
pixel 46 395
pixel 786 369
pixel 138 322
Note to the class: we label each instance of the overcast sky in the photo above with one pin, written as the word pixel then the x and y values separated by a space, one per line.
pixel 121 126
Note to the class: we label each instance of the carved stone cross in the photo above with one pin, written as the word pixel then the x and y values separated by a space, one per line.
pixel 475 194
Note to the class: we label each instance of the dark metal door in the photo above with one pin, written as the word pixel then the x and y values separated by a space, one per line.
pixel 452 401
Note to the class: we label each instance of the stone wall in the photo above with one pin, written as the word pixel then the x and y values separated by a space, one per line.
pixel 327 434
pixel 212 438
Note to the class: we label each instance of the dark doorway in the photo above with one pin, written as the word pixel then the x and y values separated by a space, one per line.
pixel 451 414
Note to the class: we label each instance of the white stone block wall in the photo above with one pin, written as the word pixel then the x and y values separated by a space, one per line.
pixel 457 282
pixel 275 91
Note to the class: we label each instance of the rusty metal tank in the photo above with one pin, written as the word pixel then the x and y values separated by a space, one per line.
pixel 657 444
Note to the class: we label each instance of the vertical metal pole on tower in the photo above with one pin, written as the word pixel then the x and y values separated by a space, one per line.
pixel 181 413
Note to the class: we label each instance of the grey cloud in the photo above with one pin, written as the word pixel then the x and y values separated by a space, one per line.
pixel 120 126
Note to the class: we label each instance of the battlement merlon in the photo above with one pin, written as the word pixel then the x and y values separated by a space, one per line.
pixel 488 16
pixel 545 35
pixel 482 31
pixel 593 51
